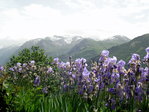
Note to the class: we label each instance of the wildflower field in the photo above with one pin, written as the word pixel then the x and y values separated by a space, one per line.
pixel 32 82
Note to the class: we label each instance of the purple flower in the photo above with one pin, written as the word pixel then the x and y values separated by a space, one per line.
pixel 67 64
pixel 73 76
pixel 90 89
pixel 65 87
pixel 37 81
pixel 80 92
pixel 1 68
pixel 32 62
pixel 102 58
pixel 56 60
pixel 121 63
pixel 20 69
pixel 107 61
pixel 147 50
pixel 135 57
pixel 85 73
pixel 105 53
pixel 50 70
pixel 18 64
pixel 61 65
pixel 45 90
pixel 83 60
pixel 78 60
pixel 146 57
pixel 113 60
pixel 112 90
pixel 138 91
pixel 97 80
pixel 106 104
pixel 11 69
pixel 69 73
pixel 117 75
pixel 24 64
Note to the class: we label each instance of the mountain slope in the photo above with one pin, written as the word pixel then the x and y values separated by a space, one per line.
pixel 137 45
pixel 6 53
pixel 89 48
pixel 124 51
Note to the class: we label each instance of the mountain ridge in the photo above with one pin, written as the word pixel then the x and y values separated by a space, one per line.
pixel 78 47
pixel 124 51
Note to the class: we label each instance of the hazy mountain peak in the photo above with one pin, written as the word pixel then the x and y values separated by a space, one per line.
pixel 67 39
pixel 136 45
pixel 122 37
pixel 77 37
pixel 7 42
pixel 118 38
pixel 34 41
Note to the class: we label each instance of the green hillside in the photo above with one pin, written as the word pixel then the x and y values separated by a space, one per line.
pixel 136 45
pixel 88 48
pixel 124 51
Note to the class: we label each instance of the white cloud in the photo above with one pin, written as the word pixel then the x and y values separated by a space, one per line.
pixel 36 21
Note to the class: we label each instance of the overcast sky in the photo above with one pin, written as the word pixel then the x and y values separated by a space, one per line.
pixel 26 19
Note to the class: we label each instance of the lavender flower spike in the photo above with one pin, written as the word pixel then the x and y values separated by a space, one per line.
pixel 135 57
pixel 85 73
pixel 105 53
pixel 121 63
pixel 37 81
pixel 146 58
pixel 56 60
pixel 18 64
pixel 1 68
pixel 50 70
pixel 147 50
pixel 45 90
pixel 32 62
